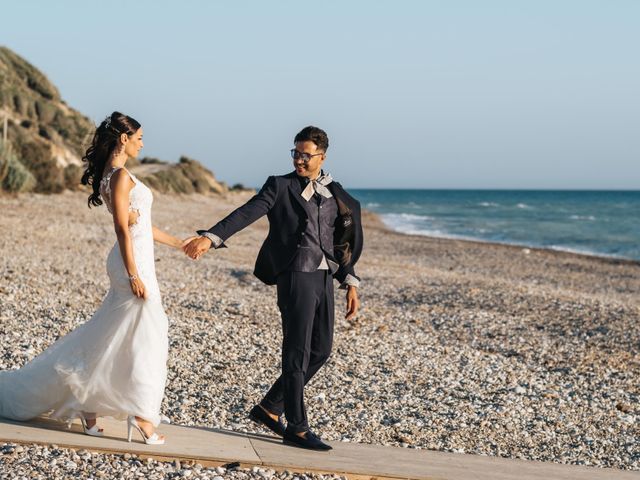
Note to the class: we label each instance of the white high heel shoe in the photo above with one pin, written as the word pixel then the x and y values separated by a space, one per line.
pixel 152 440
pixel 93 431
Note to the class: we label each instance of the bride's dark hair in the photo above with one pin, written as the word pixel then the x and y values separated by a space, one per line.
pixel 104 141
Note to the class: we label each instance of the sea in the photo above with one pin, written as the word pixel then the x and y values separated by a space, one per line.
pixel 600 223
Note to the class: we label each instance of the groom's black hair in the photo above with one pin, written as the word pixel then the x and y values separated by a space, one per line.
pixel 315 135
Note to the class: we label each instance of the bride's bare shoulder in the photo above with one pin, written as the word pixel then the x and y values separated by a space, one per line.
pixel 121 180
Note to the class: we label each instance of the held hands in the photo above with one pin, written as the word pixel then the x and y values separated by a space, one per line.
pixel 353 304
pixel 185 242
pixel 194 247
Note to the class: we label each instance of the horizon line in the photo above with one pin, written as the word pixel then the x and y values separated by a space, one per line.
pixel 514 189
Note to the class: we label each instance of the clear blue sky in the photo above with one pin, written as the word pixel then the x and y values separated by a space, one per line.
pixel 422 94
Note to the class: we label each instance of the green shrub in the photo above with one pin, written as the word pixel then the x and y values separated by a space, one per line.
pixel 13 175
pixel 46 111
pixel 72 176
pixel 152 160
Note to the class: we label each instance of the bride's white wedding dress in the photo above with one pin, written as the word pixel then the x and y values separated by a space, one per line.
pixel 115 363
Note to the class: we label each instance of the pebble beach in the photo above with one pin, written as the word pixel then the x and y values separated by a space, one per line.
pixel 459 346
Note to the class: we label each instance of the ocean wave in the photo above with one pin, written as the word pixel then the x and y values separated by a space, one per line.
pixel 411 217
pixel 489 204
pixel 524 205
pixel 436 233
pixel 409 223
pixel 424 232
pixel 591 253
pixel 412 224
pixel 372 205
pixel 582 217
pixel 412 229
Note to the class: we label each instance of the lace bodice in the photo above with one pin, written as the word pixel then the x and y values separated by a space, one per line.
pixel 140 197
pixel 140 200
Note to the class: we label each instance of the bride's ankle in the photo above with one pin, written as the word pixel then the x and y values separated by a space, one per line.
pixel 146 426
pixel 90 419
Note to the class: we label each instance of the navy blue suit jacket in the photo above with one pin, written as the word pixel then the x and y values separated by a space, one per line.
pixel 280 199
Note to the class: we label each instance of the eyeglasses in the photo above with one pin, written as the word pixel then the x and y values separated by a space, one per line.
pixel 305 157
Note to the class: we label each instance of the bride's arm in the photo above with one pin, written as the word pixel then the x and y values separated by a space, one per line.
pixel 121 185
pixel 166 239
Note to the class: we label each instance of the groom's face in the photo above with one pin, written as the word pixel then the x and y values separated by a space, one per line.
pixel 311 168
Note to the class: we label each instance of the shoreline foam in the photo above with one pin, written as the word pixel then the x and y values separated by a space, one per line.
pixel 559 248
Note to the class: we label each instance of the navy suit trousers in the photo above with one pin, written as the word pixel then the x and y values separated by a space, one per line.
pixel 305 300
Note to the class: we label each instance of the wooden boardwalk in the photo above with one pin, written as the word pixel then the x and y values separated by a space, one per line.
pixel 218 447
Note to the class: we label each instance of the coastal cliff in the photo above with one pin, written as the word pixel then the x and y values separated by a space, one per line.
pixel 43 139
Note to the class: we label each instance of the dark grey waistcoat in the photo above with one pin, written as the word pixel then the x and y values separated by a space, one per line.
pixel 317 238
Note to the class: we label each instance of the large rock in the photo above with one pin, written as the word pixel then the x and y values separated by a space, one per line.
pixel 45 137
pixel 187 176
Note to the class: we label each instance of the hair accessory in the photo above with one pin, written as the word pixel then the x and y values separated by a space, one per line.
pixel 108 122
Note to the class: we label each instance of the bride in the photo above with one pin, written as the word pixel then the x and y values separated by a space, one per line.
pixel 115 363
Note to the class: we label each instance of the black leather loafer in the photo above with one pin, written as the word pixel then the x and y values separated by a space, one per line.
pixel 258 415
pixel 310 441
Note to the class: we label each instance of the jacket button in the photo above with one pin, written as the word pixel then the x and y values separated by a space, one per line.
pixel 298 245
pixel 302 234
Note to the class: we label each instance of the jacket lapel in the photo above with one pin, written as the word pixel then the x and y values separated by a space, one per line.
pixel 338 193
pixel 295 190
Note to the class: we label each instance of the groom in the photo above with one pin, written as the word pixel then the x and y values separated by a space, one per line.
pixel 315 235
